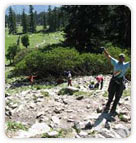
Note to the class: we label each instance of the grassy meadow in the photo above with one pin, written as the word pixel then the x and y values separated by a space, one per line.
pixel 36 40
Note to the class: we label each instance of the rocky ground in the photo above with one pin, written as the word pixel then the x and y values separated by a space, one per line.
pixel 61 111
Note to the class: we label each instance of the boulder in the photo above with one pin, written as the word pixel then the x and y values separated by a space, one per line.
pixel 80 98
pixel 35 130
pixel 122 130
pixel 124 118
pixel 88 126
pixel 55 119
pixel 83 134
pixel 99 109
pixel 53 134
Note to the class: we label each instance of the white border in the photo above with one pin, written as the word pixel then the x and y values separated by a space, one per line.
pixel 4 4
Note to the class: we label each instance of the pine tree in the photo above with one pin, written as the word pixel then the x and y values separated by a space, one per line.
pixel 24 22
pixel 55 19
pixel 50 19
pixel 25 40
pixel 35 17
pixel 89 27
pixel 44 21
pixel 32 24
pixel 12 21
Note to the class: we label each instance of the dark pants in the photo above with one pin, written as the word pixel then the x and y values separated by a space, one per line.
pixel 99 84
pixel 116 87
pixel 69 82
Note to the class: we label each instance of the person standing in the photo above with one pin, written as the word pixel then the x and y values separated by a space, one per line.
pixel 69 79
pixel 99 79
pixel 117 84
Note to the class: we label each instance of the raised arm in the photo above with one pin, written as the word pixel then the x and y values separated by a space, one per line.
pixel 107 54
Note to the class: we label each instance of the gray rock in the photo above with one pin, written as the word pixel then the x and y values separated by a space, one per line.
pixel 124 118
pixel 53 134
pixel 80 98
pixel 83 134
pixel 106 133
pixel 122 130
pixel 77 126
pixel 55 119
pixel 65 101
pixel 39 114
pixel 88 126
pixel 70 120
pixel 127 98
pixel 8 113
pixel 36 129
pixel 6 95
pixel 99 109
pixel 58 110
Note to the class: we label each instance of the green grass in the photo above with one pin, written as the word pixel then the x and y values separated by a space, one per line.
pixel 81 93
pixel 127 93
pixel 14 126
pixel 62 133
pixel 45 93
pixel 67 91
pixel 105 94
pixel 24 88
pixel 36 39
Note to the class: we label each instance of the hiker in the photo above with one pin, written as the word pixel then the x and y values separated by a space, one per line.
pixel 117 84
pixel 69 79
pixel 99 79
pixel 31 78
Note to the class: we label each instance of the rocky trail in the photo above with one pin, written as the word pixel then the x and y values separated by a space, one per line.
pixel 61 111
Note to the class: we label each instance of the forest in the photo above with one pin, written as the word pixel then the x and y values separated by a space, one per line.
pixel 79 32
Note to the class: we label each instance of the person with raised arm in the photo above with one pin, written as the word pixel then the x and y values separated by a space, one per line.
pixel 117 84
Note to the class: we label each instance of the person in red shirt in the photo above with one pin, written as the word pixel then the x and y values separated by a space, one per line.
pixel 99 79
pixel 31 78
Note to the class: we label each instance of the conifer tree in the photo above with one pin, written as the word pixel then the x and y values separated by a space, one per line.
pixel 32 24
pixel 44 21
pixel 12 21
pixel 24 22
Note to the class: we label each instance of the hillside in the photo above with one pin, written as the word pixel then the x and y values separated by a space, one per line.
pixel 41 111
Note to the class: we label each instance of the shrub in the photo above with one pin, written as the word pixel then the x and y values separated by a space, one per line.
pixel 25 40
pixel 54 62
pixel 68 91
pixel 21 54
pixel 94 64
pixel 32 63
pixel 11 52
pixel 60 59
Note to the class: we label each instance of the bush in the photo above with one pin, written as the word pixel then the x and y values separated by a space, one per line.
pixel 32 63
pixel 94 64
pixel 11 52
pixel 22 53
pixel 25 40
pixel 55 62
